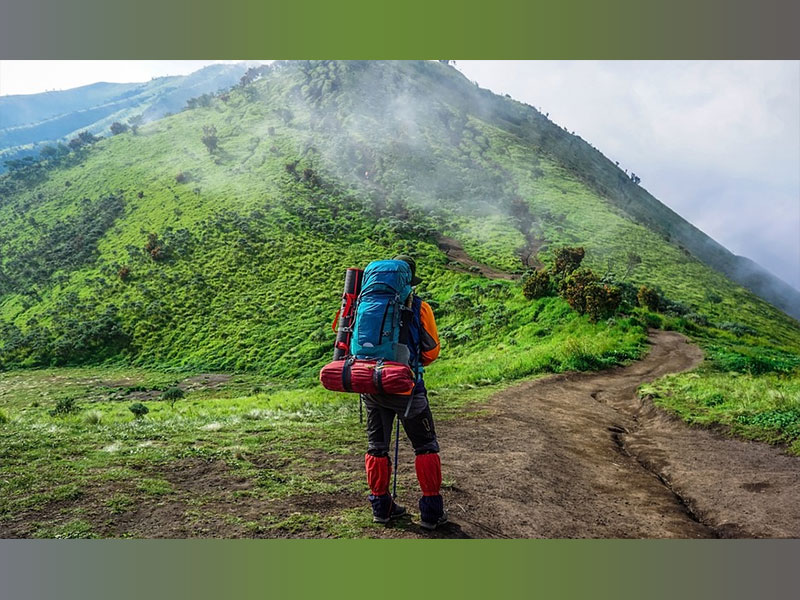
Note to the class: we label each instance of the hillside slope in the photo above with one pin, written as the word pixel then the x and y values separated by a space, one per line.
pixel 29 121
pixel 165 250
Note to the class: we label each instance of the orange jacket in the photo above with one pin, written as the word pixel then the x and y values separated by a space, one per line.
pixel 429 335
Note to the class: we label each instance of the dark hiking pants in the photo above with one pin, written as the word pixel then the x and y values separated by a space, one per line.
pixel 418 425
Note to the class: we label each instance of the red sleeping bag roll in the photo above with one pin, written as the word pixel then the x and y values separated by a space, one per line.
pixel 367 377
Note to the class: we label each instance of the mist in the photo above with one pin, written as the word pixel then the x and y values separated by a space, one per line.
pixel 378 142
pixel 717 141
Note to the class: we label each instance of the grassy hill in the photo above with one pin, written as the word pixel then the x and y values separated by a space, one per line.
pixel 216 240
pixel 30 121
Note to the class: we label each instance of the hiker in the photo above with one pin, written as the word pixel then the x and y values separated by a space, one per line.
pixel 415 415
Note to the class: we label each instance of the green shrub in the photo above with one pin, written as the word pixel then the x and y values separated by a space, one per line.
pixel 173 394
pixel 537 284
pixel 602 301
pixel 154 247
pixel 65 406
pixel 210 138
pixel 577 356
pixel 498 317
pixel 714 399
pixel 138 409
pixel 3 418
pixel 672 308
pixel 698 319
pixel 93 417
pixel 679 324
pixel 124 273
pixel 652 320
pixel 117 128
pixel 649 298
pixel 576 287
pixel 737 329
pixel 567 260
pixel 627 292
pixel 460 301
pixel 773 419
pixel 754 360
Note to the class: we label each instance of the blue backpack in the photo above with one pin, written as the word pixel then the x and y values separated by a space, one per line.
pixel 381 311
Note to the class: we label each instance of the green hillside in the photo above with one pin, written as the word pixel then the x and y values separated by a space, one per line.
pixel 319 166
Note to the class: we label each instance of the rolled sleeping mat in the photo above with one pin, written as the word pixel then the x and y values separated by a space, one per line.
pixel 347 312
pixel 368 377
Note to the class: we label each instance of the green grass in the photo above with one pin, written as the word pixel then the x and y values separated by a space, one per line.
pixel 77 529
pixel 261 429
pixel 763 407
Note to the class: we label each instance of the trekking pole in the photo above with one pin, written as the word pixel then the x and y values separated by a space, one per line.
pixel 396 454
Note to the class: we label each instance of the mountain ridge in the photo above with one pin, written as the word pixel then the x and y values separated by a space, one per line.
pixel 610 180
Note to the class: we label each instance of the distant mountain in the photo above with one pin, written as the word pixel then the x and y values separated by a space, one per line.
pixel 29 121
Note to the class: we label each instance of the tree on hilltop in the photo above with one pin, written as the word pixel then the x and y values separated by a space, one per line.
pixel 117 128
pixel 134 122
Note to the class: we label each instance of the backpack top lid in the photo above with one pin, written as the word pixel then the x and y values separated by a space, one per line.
pixel 387 276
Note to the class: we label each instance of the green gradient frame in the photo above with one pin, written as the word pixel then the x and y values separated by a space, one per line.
pixel 507 29
pixel 407 569
pixel 259 29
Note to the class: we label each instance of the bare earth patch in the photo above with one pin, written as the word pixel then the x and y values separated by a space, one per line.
pixel 579 455
pixel 463 262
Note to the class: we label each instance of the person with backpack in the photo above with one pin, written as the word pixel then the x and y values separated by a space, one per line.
pixel 422 340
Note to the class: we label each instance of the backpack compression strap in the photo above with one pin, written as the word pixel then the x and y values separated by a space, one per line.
pixel 377 377
pixel 347 374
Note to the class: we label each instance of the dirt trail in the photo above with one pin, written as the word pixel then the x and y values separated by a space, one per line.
pixel 461 261
pixel 579 455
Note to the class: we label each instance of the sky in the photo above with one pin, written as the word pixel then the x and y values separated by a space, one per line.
pixel 34 76
pixel 716 141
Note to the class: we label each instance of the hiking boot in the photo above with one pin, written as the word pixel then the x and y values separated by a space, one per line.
pixel 431 525
pixel 432 512
pixel 384 508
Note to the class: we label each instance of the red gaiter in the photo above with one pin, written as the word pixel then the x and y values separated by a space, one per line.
pixel 429 473
pixel 379 470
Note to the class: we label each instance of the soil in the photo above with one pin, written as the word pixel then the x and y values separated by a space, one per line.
pixel 580 455
pixel 462 262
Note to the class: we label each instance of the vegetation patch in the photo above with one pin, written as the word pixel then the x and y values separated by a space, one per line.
pixel 763 407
